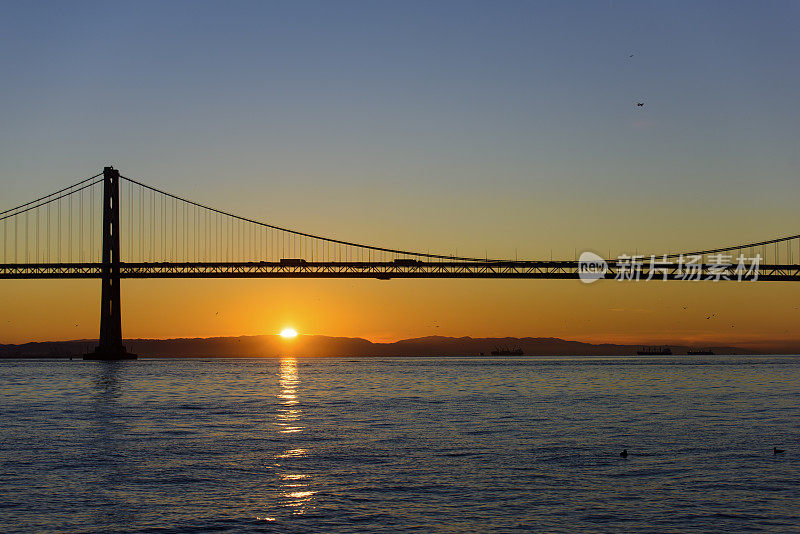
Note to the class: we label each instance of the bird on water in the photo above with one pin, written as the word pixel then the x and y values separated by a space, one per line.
pixel 624 453
pixel 776 450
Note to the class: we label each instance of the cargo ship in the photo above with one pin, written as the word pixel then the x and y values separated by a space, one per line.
pixel 507 352
pixel 655 351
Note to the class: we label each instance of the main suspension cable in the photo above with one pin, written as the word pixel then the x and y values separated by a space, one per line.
pixel 304 234
pixel 51 194
pixel 20 212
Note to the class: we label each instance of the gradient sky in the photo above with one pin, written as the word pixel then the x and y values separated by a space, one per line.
pixel 499 128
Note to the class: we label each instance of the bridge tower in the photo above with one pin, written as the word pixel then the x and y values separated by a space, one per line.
pixel 110 346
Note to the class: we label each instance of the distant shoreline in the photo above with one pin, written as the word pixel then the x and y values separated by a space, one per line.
pixel 688 357
pixel 342 347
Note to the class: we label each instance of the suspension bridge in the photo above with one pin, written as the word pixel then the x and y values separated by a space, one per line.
pixel 112 227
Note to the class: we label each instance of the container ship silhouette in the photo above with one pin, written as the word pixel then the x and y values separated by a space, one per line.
pixel 700 352
pixel 654 351
pixel 507 352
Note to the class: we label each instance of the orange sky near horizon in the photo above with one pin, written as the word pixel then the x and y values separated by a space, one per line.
pixel 694 313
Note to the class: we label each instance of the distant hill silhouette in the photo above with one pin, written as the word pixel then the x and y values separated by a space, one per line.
pixel 248 346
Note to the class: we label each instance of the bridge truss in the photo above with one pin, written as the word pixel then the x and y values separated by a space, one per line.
pixel 547 270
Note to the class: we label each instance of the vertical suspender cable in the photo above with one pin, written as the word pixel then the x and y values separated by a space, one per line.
pixel 37 235
pixel 141 222
pixel 129 233
pixel 58 225
pixel 80 235
pixel 91 224
pixel 69 228
pixel 175 229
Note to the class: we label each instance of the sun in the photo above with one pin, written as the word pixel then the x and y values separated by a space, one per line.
pixel 288 333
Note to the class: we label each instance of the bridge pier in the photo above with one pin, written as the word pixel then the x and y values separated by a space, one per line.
pixel 110 346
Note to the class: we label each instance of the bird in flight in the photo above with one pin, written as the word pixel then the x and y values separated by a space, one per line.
pixel 640 104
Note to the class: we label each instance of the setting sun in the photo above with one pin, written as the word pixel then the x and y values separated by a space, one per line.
pixel 288 333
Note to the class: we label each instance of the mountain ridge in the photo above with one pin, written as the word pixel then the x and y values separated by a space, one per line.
pixel 337 346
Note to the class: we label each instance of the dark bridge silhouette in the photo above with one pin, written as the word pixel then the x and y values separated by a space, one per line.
pixel 68 234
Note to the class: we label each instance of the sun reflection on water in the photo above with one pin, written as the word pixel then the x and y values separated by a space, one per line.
pixel 295 494
pixel 288 412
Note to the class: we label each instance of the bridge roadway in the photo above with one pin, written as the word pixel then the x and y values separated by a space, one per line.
pixel 386 270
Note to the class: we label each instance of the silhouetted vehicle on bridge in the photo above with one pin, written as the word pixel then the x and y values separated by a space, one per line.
pixel 292 262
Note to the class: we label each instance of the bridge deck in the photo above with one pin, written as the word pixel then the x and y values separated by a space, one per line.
pixel 386 270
